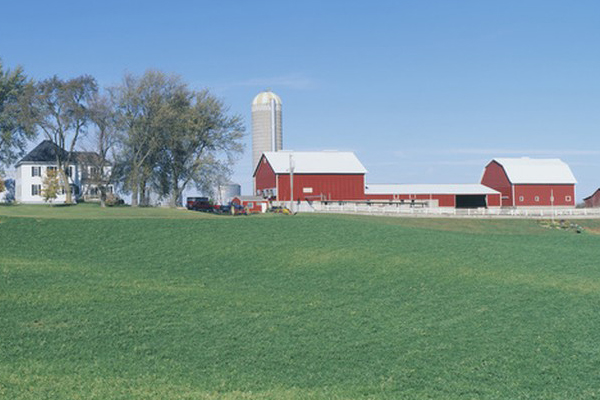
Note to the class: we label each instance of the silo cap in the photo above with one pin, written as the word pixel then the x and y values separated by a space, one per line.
pixel 265 98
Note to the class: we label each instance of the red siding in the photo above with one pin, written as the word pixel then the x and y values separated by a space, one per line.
pixel 444 200
pixel 256 204
pixel 593 201
pixel 265 177
pixel 525 195
pixel 495 177
pixel 493 200
pixel 326 186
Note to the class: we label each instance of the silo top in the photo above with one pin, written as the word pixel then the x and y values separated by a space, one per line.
pixel 265 98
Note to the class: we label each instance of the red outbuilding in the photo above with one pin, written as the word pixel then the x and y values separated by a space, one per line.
pixel 593 201
pixel 529 182
pixel 443 195
pixel 322 175
pixel 252 204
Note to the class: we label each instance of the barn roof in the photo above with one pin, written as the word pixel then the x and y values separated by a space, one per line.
pixel 592 195
pixel 536 170
pixel 315 162
pixel 429 189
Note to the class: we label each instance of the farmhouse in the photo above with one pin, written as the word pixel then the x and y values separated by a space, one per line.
pixel 442 195
pixel 528 182
pixel 315 176
pixel 31 170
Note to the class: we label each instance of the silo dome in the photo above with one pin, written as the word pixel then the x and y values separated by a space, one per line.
pixel 265 98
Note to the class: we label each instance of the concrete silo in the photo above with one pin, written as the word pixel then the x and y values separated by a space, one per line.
pixel 227 192
pixel 266 125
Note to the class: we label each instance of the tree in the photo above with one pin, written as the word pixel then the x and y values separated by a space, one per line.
pixel 139 104
pixel 2 185
pixel 199 144
pixel 50 185
pixel 103 116
pixel 14 130
pixel 60 109
pixel 173 136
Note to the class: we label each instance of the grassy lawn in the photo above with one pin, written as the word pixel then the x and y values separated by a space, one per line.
pixel 170 304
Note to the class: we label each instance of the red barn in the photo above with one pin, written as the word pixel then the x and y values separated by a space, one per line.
pixel 593 201
pixel 444 195
pixel 322 175
pixel 529 182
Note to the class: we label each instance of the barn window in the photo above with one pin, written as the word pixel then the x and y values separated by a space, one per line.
pixel 250 205
pixel 307 190
pixel 567 198
pixel 521 198
pixel 537 198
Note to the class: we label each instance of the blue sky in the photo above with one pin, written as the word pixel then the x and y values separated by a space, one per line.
pixel 422 91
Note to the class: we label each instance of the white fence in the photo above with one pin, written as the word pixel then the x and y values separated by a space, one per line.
pixel 403 210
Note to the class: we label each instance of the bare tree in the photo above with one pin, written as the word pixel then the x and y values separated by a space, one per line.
pixel 103 139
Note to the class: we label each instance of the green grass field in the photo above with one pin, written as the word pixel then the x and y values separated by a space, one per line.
pixel 170 304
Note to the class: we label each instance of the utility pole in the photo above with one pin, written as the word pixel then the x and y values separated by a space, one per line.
pixel 291 183
pixel 552 203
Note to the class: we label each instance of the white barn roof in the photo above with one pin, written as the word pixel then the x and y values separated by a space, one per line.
pixel 315 162
pixel 536 170
pixel 429 189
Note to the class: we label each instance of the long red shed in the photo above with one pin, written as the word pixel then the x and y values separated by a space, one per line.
pixel 322 175
pixel 444 195
pixel 529 182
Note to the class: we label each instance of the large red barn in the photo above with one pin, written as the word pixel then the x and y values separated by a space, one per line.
pixel 529 182
pixel 322 175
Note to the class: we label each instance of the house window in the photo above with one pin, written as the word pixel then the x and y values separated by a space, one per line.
pixel 36 189
pixel 50 168
pixel 567 198
pixel 36 171
pixel 537 198
pixel 521 198
pixel 69 171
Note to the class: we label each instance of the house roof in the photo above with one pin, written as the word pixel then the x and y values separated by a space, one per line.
pixel 315 162
pixel 536 170
pixel 429 189
pixel 46 151
pixel 43 152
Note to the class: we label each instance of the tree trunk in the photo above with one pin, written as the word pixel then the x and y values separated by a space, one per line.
pixel 175 194
pixel 102 196
pixel 66 186
pixel 134 192
pixel 142 190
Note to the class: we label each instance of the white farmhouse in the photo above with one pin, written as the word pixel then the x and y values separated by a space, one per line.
pixel 31 170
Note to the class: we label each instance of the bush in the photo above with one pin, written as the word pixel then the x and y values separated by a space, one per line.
pixel 113 200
